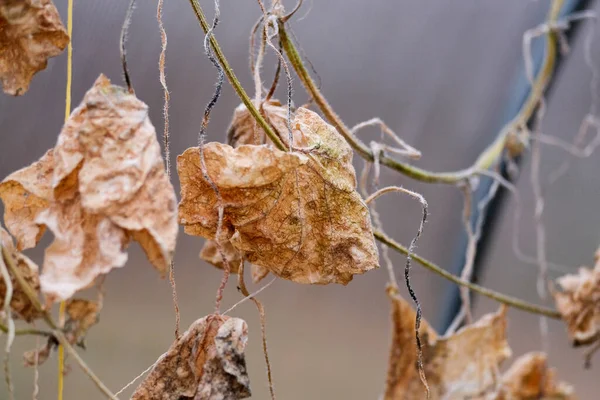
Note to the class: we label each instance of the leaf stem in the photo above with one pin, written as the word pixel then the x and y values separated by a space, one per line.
pixel 237 86
pixel 485 160
pixel 502 298
pixel 56 332
pixel 22 332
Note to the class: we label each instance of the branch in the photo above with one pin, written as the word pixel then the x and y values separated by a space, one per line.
pixel 56 332
pixel 485 160
pixel 22 332
pixel 237 86
pixel 502 298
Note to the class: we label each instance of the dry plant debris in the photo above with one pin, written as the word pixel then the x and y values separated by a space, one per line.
pixel 31 32
pixel 466 364
pixel 102 185
pixel 458 366
pixel 296 214
pixel 579 303
pixel 530 378
pixel 206 363
pixel 20 304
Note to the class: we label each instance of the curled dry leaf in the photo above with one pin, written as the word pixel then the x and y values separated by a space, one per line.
pixel 20 303
pixel 31 32
pixel 579 304
pixel 210 253
pixel 296 214
pixel 42 353
pixel 459 366
pixel 530 378
pixel 244 129
pixel 206 363
pixel 101 186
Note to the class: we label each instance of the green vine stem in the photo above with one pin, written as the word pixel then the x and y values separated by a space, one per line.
pixel 485 160
pixel 486 157
pixel 234 80
pixel 56 332
pixel 502 298
pixel 21 332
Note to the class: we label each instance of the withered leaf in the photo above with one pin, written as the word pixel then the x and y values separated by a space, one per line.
pixel 42 353
pixel 244 129
pixel 206 363
pixel 296 214
pixel 82 315
pixel 101 186
pixel 530 378
pixel 459 366
pixel 210 253
pixel 20 304
pixel 31 32
pixel 579 304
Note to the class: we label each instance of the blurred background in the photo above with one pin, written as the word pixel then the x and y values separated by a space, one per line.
pixel 438 72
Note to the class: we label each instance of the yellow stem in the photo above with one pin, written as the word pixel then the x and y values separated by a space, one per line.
pixel 61 312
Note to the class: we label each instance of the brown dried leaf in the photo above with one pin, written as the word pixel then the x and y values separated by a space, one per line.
pixel 210 254
pixel 43 353
pixel 296 214
pixel 82 315
pixel 462 365
pixel 530 378
pixel 579 304
pixel 244 129
pixel 101 186
pixel 207 362
pixel 20 303
pixel 224 376
pixel 31 32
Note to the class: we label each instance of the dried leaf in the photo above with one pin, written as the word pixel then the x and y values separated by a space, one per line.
pixel 210 254
pixel 207 362
pixel 82 315
pixel 31 32
pixel 20 303
pixel 224 376
pixel 101 186
pixel 579 304
pixel 296 214
pixel 459 366
pixel 245 130
pixel 530 378
pixel 43 353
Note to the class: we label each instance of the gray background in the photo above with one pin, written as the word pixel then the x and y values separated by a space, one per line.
pixel 438 72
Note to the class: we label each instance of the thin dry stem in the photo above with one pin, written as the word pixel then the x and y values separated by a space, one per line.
pixel 409 256
pixel 167 145
pixel 123 43
pixel 11 327
pixel 263 323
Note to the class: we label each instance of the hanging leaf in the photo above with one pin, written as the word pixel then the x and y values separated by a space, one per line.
pixel 210 253
pixel 579 304
pixel 20 304
pixel 206 363
pixel 31 32
pixel 530 378
pixel 459 366
pixel 296 214
pixel 101 186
